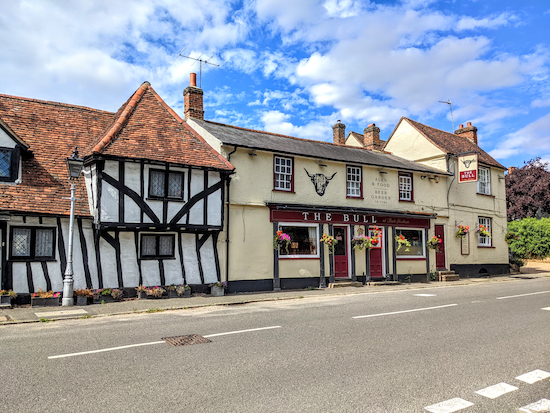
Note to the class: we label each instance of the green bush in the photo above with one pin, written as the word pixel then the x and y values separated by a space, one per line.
pixel 529 238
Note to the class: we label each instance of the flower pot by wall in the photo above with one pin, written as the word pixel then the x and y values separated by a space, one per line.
pixel 45 302
pixel 186 294
pixel 5 301
pixel 172 294
pixel 141 295
pixel 216 291
pixel 104 298
pixel 81 300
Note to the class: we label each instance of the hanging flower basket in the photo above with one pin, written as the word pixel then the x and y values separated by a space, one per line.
pixel 362 242
pixel 402 241
pixel 434 242
pixel 484 231
pixel 462 230
pixel 281 241
pixel 329 241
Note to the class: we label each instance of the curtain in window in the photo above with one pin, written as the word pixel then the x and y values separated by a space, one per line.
pixel 44 243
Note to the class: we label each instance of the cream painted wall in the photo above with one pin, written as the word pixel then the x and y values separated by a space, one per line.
pixel 352 141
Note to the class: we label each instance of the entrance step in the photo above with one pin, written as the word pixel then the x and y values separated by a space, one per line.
pixel 338 284
pixel 448 276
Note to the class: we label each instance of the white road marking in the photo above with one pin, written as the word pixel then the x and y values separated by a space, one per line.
pixel 449 406
pixel 241 331
pixel 405 311
pixel 155 342
pixel 523 295
pixel 543 405
pixel 60 313
pixel 534 376
pixel 492 392
pixel 546 308
pixel 424 295
pixel 105 349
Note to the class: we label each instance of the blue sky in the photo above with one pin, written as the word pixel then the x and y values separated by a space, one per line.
pixel 297 66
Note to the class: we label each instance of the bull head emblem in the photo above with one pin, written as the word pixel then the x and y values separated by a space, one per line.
pixel 320 181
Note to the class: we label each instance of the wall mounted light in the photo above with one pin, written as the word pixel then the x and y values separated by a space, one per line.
pixel 381 171
pixel 253 153
pixel 434 178
pixel 320 163
pixel 423 177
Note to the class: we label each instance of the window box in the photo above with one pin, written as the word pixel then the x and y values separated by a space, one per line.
pixel 45 302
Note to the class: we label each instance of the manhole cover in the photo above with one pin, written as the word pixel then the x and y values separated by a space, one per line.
pixel 186 340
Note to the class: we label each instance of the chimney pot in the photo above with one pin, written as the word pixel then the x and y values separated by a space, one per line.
pixel 192 97
pixel 461 126
pixel 339 133
pixel 371 137
pixel 469 132
pixel 193 79
pixel 469 124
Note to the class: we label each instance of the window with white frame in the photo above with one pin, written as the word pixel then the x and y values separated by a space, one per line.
pixel 405 186
pixel 32 244
pixel 157 246
pixel 283 171
pixel 415 238
pixel 483 240
pixel 353 182
pixel 165 184
pixel 304 241
pixel 484 181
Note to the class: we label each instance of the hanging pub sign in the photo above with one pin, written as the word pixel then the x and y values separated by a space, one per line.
pixel 467 168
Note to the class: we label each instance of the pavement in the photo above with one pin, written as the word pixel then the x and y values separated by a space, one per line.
pixel 26 314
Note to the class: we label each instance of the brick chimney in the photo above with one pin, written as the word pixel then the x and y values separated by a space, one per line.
pixel 371 139
pixel 511 170
pixel 469 132
pixel 339 133
pixel 192 96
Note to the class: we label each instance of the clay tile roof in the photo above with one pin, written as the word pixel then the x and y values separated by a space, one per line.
pixel 451 143
pixel 145 127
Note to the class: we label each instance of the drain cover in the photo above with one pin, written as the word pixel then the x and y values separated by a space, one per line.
pixel 186 340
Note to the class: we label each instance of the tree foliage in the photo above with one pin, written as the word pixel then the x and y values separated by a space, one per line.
pixel 529 238
pixel 528 191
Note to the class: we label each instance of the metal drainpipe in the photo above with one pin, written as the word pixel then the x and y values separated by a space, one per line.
pixel 228 219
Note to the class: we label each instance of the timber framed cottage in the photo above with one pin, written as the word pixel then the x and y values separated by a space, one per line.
pixel 150 208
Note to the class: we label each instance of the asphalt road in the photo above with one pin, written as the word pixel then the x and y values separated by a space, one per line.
pixel 414 350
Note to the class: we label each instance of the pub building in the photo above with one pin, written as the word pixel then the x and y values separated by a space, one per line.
pixel 354 185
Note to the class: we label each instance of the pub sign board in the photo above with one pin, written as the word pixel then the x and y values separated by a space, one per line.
pixel 346 218
pixel 467 168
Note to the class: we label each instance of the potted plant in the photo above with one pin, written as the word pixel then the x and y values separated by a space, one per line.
pixel 329 241
pixel 171 291
pixel 141 292
pixel 402 241
pixel 6 297
pixel 462 230
pixel 107 295
pixel 433 242
pixel 484 231
pixel 83 296
pixel 183 290
pixel 362 242
pixel 154 292
pixel 117 294
pixel 43 298
pixel 218 289
pixel 281 240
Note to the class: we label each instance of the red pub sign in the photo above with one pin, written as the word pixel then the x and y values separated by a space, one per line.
pixel 353 218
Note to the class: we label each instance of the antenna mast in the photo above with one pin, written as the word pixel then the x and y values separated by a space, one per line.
pixel 202 62
pixel 451 107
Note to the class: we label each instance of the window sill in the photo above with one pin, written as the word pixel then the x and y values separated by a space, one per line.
pixel 303 257
pixel 283 190
pixel 411 259
pixel 157 258
pixel 485 246
pixel 27 259
pixel 405 200
pixel 489 195
pixel 354 197
pixel 165 199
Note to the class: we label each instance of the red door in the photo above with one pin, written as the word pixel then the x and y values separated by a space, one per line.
pixel 440 252
pixel 376 257
pixel 341 252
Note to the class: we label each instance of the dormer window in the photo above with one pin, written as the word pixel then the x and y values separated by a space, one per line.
pixel 9 164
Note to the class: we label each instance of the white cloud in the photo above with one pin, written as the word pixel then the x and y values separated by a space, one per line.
pixel 342 8
pixel 277 122
pixel 540 103
pixel 533 139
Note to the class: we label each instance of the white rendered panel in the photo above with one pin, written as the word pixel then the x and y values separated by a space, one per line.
pixel 132 176
pixel 173 209
pixel 90 246
pixel 111 169
pixel 38 278
pixel 208 261
pixel 108 264
pixel 197 186
pixel 150 272
pixel 215 208
pixel 156 206
pixel 172 271
pixel 19 273
pixel 190 261
pixel 128 257
pixel 132 212
pixel 196 213
pixel 109 203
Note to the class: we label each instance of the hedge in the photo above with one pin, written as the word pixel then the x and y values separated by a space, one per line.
pixel 529 238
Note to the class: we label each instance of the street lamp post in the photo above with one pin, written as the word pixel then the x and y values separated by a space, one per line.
pixel 74 165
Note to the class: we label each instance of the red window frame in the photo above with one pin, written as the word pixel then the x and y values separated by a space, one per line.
pixel 291 178
pixel 409 175
pixel 360 196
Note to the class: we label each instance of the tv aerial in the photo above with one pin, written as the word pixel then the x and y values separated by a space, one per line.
pixel 451 107
pixel 201 61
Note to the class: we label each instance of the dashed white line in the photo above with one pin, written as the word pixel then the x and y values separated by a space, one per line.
pixel 492 392
pixel 534 376
pixel 543 405
pixel 241 331
pixel 424 295
pixel 449 406
pixel 405 311
pixel 546 308
pixel 522 295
